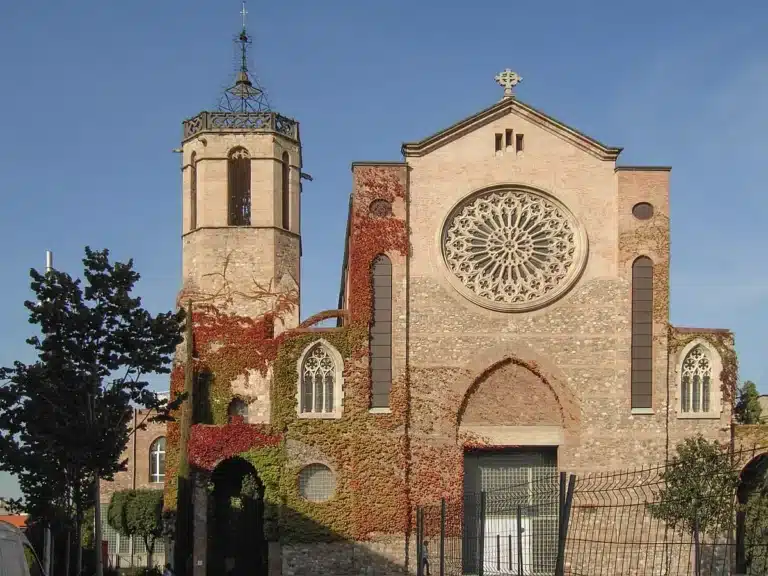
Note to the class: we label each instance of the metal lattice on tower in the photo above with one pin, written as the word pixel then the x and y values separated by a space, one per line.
pixel 245 95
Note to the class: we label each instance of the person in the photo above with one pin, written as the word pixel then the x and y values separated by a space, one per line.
pixel 425 558
pixel 168 571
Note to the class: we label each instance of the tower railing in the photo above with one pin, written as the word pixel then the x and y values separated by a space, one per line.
pixel 240 121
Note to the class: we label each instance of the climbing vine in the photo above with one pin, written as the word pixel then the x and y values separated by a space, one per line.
pixel 722 341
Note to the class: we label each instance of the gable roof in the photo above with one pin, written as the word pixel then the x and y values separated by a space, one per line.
pixel 515 106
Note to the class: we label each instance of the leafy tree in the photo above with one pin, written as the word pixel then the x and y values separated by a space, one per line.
pixel 748 409
pixel 138 513
pixel 696 497
pixel 65 419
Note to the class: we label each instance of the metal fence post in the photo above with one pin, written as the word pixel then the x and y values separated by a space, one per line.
pixel 442 537
pixel 481 544
pixel 565 515
pixel 519 540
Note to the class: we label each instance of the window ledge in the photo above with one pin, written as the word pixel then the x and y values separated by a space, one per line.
pixel 320 415
pixel 642 411
pixel 380 411
pixel 698 416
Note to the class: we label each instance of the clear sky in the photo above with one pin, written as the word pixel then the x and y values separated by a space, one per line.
pixel 94 92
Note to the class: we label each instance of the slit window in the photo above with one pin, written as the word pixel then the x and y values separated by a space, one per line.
pixel 498 142
pixel 193 192
pixel 508 138
pixel 519 143
pixel 381 332
pixel 642 333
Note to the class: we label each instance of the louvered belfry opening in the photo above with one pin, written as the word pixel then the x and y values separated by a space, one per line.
pixel 285 192
pixel 642 333
pixel 239 184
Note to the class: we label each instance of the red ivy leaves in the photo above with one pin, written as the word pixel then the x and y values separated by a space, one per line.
pixel 373 236
pixel 209 445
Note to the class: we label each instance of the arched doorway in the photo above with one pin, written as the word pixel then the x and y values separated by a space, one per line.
pixel 236 542
pixel 752 521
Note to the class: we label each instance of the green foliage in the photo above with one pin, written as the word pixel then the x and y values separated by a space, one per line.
pixel 748 409
pixel 756 533
pixel 65 418
pixel 138 513
pixel 699 488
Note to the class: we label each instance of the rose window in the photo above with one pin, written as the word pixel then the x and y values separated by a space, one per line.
pixel 513 249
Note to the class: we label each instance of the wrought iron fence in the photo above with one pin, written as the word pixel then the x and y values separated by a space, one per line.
pixel 667 520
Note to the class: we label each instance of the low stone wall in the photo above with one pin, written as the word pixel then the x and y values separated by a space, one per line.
pixel 379 557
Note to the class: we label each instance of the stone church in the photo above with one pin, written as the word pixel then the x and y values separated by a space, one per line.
pixel 503 314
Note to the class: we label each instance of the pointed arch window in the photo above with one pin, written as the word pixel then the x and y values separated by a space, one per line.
pixel 320 381
pixel 193 192
pixel 157 460
pixel 381 332
pixel 239 187
pixel 642 334
pixel 696 381
pixel 285 195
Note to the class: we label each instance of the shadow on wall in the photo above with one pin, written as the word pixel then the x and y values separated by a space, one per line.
pixel 243 533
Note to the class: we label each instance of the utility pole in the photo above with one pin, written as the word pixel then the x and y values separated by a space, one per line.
pixel 48 537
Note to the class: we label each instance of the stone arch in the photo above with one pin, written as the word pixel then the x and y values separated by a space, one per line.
pixel 752 496
pixel 236 540
pixel 535 378
pixel 716 368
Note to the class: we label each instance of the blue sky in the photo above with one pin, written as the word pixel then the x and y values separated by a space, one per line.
pixel 94 94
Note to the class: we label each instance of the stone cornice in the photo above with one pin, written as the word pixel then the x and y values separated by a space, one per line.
pixel 578 139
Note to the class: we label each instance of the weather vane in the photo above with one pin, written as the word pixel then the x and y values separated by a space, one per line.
pixel 245 95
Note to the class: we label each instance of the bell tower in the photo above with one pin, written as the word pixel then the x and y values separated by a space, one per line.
pixel 241 173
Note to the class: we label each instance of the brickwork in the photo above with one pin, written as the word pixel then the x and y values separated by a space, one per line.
pixel 136 475
pixel 464 375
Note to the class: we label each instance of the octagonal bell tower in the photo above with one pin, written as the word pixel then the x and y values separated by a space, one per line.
pixel 241 204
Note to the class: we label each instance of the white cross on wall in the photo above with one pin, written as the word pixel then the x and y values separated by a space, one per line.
pixel 508 80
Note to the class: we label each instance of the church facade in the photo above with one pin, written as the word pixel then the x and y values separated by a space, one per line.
pixel 503 315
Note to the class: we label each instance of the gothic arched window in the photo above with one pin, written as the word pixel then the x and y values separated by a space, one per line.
pixel 157 460
pixel 193 192
pixel 320 374
pixel 642 333
pixel 237 411
pixel 285 196
pixel 381 332
pixel 239 187
pixel 696 381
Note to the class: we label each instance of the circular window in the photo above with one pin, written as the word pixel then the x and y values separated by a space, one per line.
pixel 317 483
pixel 380 208
pixel 642 211
pixel 512 249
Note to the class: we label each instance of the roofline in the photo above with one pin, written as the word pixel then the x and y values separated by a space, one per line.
pixel 689 330
pixel 643 168
pixel 579 139
pixel 345 258
pixel 363 163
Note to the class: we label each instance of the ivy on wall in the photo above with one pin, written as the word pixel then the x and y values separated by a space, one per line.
pixel 722 341
pixel 369 452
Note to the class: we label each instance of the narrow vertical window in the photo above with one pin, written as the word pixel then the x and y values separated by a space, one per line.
pixel 498 142
pixel 508 138
pixel 157 460
pixel 642 333
pixel 193 192
pixel 286 196
pixel 381 332
pixel 239 184
pixel 519 142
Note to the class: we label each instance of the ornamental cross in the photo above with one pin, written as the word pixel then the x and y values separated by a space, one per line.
pixel 508 80
pixel 244 13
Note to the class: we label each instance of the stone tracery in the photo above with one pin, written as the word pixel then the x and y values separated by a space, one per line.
pixel 513 249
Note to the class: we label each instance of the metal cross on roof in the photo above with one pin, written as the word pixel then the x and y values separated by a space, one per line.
pixel 508 80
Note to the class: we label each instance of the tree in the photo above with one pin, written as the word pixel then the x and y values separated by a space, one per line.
pixel 748 409
pixel 65 419
pixel 697 493
pixel 138 513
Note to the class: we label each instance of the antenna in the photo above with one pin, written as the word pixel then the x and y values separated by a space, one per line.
pixel 48 261
pixel 245 95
